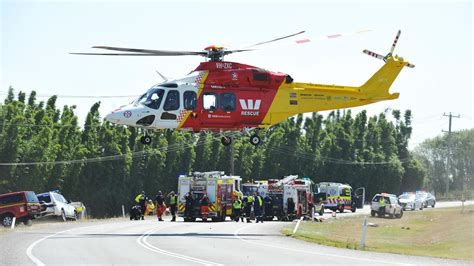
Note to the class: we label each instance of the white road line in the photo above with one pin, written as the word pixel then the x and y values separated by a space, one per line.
pixel 236 235
pixel 29 250
pixel 142 241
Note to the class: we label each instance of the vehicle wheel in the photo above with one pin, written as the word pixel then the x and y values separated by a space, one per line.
pixel 353 208
pixel 413 208
pixel 145 140
pixel 27 222
pixel 255 139
pixel 63 216
pixel 321 212
pixel 75 216
pixel 226 141
pixel 223 216
pixel 421 208
pixel 400 215
pixel 341 209
pixel 372 213
pixel 434 203
pixel 7 220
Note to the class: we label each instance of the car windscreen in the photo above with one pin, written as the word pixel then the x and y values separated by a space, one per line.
pixel 45 198
pixel 422 195
pixel 406 196
pixel 249 190
pixel 31 197
pixel 59 198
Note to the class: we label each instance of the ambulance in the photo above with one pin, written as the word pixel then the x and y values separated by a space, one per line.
pixel 220 189
pixel 339 197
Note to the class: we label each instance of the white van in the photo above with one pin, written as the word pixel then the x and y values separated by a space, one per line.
pixel 57 205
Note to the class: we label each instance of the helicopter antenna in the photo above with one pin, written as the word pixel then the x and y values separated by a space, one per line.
pixel 163 77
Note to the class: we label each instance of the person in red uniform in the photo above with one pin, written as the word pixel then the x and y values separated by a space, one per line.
pixel 204 206
pixel 160 205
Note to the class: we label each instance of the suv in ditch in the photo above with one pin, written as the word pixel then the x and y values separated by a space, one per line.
pixel 57 205
pixel 392 207
pixel 23 205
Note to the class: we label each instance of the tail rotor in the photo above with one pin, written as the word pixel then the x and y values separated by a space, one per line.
pixel 390 54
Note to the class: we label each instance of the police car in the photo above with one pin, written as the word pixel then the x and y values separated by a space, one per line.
pixel 392 207
pixel 410 201
pixel 427 198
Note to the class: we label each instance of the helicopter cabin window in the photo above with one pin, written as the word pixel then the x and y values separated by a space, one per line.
pixel 209 101
pixel 190 100
pixel 228 102
pixel 153 98
pixel 172 101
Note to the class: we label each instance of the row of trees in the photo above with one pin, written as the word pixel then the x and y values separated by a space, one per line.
pixel 449 158
pixel 103 165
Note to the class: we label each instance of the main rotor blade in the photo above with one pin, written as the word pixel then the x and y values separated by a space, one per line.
pixel 373 54
pixel 395 41
pixel 314 38
pixel 148 51
pixel 127 54
pixel 226 52
pixel 277 39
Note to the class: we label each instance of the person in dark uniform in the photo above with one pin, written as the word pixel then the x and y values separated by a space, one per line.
pixel 290 211
pixel 188 207
pixel 142 200
pixel 268 202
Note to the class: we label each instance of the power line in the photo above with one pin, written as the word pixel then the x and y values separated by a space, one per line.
pixel 170 148
pixel 309 156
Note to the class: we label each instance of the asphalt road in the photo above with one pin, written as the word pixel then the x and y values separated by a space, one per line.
pixel 121 241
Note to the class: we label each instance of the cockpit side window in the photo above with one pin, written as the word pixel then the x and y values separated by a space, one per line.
pixel 153 98
pixel 190 100
pixel 172 101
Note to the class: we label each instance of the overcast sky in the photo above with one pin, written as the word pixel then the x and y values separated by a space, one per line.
pixel 36 37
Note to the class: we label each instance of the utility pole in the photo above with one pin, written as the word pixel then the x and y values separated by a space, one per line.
pixel 449 149
pixel 231 158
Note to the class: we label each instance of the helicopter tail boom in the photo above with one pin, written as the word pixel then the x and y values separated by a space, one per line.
pixel 377 87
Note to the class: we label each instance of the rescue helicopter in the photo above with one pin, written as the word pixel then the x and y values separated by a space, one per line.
pixel 223 96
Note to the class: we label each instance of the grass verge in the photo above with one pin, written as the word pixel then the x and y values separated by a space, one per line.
pixel 441 232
